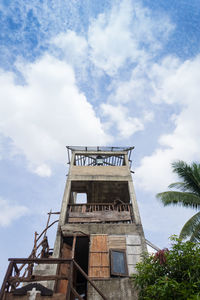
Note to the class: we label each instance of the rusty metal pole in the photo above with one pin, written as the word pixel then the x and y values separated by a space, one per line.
pixel 48 220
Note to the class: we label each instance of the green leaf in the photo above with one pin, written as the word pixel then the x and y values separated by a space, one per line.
pixel 179 185
pixel 189 174
pixel 191 226
pixel 195 237
pixel 179 198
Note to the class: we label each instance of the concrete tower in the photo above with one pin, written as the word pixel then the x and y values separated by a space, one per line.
pixel 100 236
pixel 100 211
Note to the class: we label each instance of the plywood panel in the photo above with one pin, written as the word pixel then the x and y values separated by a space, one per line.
pixel 99 259
pixel 99 266
pixel 99 243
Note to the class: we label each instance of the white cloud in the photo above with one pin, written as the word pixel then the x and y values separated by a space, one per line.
pixel 136 90
pixel 148 116
pixel 127 37
pixel 118 116
pixel 178 87
pixel 146 83
pixel 128 32
pixel 74 47
pixel 47 113
pixel 43 170
pixel 10 212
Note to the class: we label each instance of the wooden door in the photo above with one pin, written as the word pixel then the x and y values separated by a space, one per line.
pixel 99 257
pixel 66 252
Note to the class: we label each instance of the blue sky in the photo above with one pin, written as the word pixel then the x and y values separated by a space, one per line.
pixel 94 73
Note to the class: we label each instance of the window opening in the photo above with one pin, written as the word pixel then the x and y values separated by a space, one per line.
pixel 81 198
pixel 118 263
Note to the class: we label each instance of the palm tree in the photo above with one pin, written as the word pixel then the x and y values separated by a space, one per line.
pixel 188 196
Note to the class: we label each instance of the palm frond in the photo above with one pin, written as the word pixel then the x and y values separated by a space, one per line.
pixel 195 237
pixel 179 198
pixel 190 226
pixel 179 185
pixel 189 174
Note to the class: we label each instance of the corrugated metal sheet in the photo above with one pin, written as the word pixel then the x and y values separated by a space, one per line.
pixel 99 266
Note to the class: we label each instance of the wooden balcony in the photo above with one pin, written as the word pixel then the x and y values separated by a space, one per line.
pixel 99 213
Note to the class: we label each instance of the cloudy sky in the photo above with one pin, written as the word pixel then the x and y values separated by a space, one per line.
pixel 92 72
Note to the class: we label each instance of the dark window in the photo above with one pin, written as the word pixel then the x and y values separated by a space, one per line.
pixel 118 263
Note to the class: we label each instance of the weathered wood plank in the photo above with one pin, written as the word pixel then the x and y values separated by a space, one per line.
pixel 99 243
pixel 99 259
pixel 98 216
pixel 99 272
pixel 116 242
pixel 34 278
pixel 40 260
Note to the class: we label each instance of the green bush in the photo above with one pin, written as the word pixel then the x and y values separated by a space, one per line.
pixel 170 274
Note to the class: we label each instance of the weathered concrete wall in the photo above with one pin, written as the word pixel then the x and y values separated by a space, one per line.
pixel 113 289
pixel 46 269
pixel 134 249
pixel 81 172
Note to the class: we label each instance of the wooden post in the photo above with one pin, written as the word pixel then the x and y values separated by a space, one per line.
pixel 48 220
pixel 5 281
pixel 73 246
pixel 70 281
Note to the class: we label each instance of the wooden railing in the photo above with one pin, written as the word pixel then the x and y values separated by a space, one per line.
pixel 13 278
pixel 92 207
pixel 99 212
